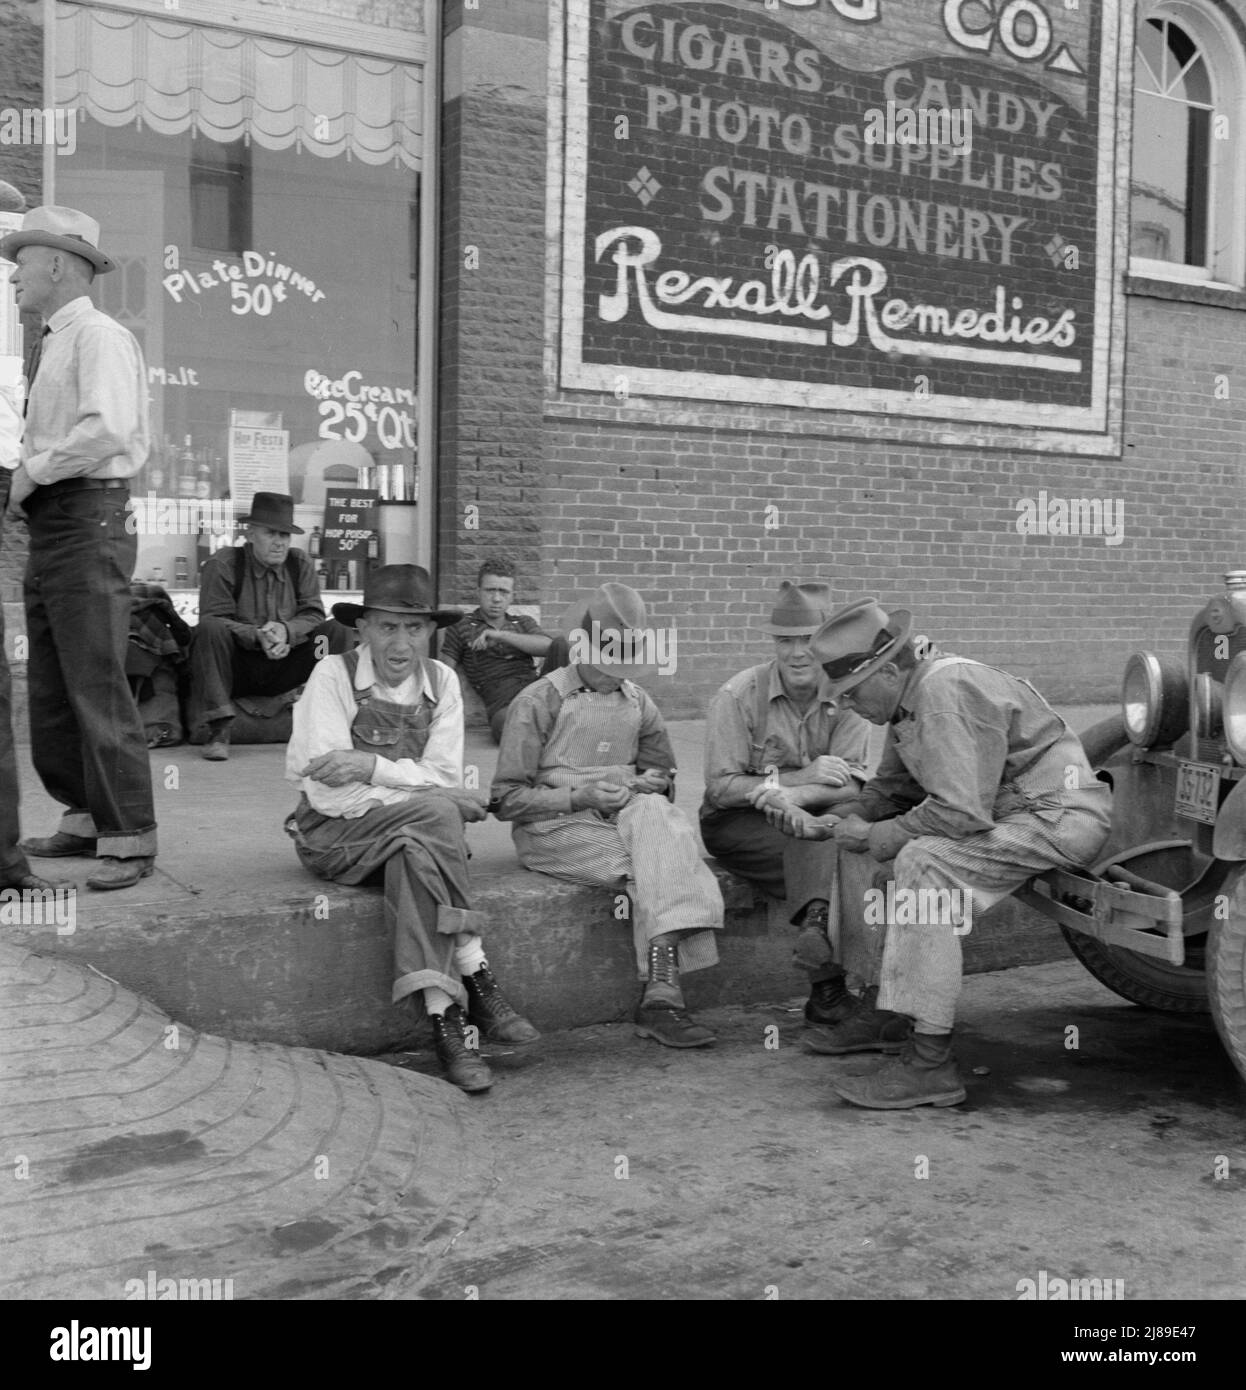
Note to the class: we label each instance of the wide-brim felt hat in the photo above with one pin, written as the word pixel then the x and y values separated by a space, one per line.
pixel 405 589
pixel 63 229
pixel 274 510
pixel 800 610
pixel 607 630
pixel 855 641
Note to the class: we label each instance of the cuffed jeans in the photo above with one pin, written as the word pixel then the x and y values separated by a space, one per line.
pixel 86 737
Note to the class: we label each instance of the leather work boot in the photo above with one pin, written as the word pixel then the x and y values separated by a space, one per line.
pixel 62 845
pixel 464 1067
pixel 216 750
pixel 829 1001
pixel 925 1073
pixel 865 1028
pixel 120 873
pixel 813 947
pixel 490 1010
pixel 661 1013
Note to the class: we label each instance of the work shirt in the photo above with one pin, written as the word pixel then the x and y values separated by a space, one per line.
pixel 969 745
pixel 533 783
pixel 86 416
pixel 323 717
pixel 267 595
pixel 738 753
pixel 498 672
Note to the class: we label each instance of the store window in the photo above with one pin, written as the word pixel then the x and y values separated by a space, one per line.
pixel 261 198
pixel 1187 177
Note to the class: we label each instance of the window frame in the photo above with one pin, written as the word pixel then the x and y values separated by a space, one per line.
pixel 1224 56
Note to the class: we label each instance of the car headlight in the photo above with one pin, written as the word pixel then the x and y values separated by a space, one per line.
pixel 1233 710
pixel 1155 700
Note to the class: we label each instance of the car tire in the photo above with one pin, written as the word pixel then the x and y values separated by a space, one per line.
pixel 1154 984
pixel 1226 976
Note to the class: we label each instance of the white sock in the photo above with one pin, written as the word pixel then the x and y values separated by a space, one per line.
pixel 436 1001
pixel 469 955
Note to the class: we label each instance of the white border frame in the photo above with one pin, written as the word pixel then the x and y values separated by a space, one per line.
pixel 973 422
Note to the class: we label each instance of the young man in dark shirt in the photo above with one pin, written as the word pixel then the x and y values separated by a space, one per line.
pixel 493 648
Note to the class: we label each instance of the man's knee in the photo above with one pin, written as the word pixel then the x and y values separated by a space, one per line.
pixel 212 632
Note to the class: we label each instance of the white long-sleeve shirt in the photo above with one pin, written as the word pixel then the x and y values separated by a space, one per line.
pixel 87 412
pixel 322 719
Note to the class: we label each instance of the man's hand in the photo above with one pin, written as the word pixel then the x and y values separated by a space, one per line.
pixel 798 823
pixel 600 796
pixel 827 771
pixel 479 643
pixel 274 639
pixel 853 834
pixel 20 488
pixel 341 767
pixel 652 779
pixel 471 808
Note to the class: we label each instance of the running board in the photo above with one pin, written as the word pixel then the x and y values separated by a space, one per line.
pixel 1120 909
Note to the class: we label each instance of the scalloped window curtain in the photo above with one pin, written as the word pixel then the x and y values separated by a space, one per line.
pixel 172 77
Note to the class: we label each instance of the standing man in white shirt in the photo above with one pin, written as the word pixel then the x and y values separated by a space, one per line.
pixel 86 435
pixel 377 750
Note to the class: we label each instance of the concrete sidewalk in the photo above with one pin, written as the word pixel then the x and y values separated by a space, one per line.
pixel 231 935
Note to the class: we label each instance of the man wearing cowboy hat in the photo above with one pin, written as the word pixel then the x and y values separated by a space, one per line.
pixel 86 434
pixel 377 751
pixel 775 728
pixel 584 774
pixel 981 785
pixel 261 622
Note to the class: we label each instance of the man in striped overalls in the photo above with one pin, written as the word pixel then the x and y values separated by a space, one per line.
pixel 585 773
pixel 377 751
pixel 981 786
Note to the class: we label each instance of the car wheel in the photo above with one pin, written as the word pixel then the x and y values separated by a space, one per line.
pixel 1175 989
pixel 1226 976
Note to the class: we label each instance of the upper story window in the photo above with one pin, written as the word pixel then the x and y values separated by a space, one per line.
pixel 1187 177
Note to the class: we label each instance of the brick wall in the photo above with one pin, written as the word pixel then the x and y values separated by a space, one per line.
pixel 492 296
pixel 683 516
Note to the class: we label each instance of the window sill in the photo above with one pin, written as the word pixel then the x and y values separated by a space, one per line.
pixel 1186 292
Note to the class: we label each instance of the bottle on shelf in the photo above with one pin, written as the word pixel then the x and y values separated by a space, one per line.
pixel 313 543
pixel 155 469
pixel 203 476
pixel 374 546
pixel 186 469
pixel 343 576
pixel 181 571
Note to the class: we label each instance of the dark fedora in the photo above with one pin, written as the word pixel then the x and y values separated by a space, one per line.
pixel 607 629
pixel 274 510
pixel 800 610
pixel 406 589
pixel 854 642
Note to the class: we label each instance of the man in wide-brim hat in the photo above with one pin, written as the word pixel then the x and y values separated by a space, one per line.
pixel 377 751
pixel 775 733
pixel 585 774
pixel 981 786
pixel 262 625
pixel 86 435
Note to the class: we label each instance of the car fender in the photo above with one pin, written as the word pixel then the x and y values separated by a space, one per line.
pixel 1229 840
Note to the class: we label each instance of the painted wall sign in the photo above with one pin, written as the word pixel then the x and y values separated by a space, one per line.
pixel 350 407
pixel 857 205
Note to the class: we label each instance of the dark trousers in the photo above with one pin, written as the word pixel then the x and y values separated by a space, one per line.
pixel 221 667
pixel 86 736
pixel 745 842
pixel 12 861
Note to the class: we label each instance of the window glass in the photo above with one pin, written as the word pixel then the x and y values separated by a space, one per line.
pixel 1171 147
pixel 259 197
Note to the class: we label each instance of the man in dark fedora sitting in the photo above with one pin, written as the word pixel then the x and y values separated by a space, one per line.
pixel 777 728
pixel 981 785
pixel 377 751
pixel 262 626
pixel 585 776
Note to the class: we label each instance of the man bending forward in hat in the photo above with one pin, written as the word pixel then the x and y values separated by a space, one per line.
pixel 378 752
pixel 584 772
pixel 261 623
pixel 981 785
pixel 775 731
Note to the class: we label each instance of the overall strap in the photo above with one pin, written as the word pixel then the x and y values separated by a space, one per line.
pixel 240 570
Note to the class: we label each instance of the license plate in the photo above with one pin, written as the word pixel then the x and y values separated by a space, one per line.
pixel 1198 791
